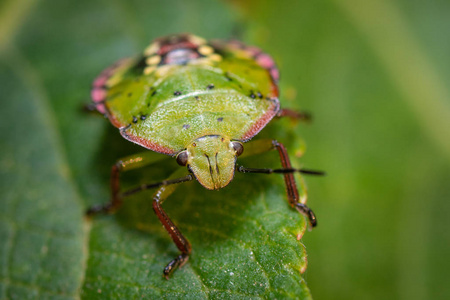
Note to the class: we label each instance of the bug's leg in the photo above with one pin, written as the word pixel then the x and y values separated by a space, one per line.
pixel 90 108
pixel 127 163
pixel 295 115
pixel 260 146
pixel 180 241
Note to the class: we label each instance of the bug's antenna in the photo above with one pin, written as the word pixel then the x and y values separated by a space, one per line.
pixel 281 171
pixel 157 184
pixel 312 172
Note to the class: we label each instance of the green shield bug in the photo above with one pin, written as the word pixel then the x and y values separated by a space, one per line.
pixel 198 101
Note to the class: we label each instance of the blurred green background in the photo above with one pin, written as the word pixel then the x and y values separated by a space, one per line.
pixel 375 74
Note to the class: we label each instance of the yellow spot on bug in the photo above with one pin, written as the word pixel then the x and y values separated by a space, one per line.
pixel 151 49
pixel 215 57
pixel 114 80
pixel 197 40
pixel 153 60
pixel 149 70
pixel 163 70
pixel 206 50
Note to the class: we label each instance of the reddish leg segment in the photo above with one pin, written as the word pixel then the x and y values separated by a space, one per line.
pixel 128 163
pixel 116 200
pixel 180 241
pixel 289 180
pixel 295 115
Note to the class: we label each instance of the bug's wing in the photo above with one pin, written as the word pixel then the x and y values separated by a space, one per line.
pixel 255 75
pixel 248 56
pixel 154 98
pixel 119 90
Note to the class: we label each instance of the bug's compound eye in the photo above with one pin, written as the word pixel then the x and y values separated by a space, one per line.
pixel 238 147
pixel 182 158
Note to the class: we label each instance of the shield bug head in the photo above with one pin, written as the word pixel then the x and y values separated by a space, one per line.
pixel 212 159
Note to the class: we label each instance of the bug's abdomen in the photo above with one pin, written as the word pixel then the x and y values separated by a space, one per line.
pixel 175 124
pixel 196 102
pixel 183 88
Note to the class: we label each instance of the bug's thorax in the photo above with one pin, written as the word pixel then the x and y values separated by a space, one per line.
pixel 212 159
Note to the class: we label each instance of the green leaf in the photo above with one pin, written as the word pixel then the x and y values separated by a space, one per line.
pixel 55 163
pixel 41 217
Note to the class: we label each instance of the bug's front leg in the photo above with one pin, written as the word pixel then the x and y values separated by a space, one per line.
pixel 180 241
pixel 125 164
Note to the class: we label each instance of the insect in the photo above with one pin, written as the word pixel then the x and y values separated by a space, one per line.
pixel 198 101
